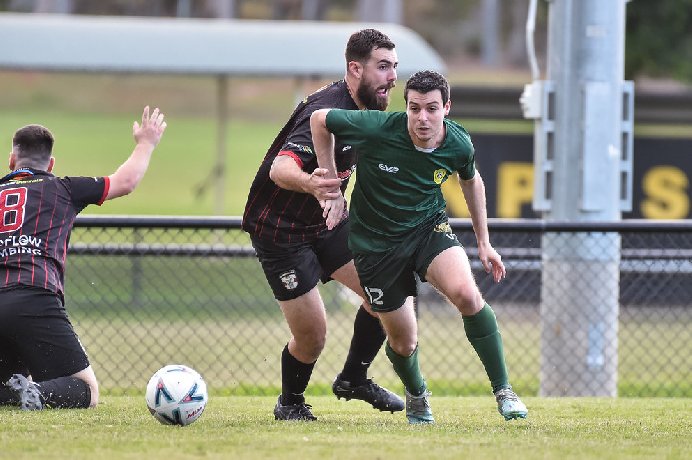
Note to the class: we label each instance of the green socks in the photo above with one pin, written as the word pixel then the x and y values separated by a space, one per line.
pixel 484 335
pixel 408 370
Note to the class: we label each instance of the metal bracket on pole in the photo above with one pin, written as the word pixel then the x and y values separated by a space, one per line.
pixel 538 102
pixel 627 146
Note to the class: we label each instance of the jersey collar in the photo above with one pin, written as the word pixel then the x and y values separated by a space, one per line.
pixel 22 173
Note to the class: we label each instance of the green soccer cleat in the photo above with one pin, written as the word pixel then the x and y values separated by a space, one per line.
pixel 509 405
pixel 418 409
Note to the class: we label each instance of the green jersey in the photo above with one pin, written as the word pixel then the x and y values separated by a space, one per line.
pixel 398 186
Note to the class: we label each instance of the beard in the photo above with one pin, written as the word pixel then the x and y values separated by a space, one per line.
pixel 368 96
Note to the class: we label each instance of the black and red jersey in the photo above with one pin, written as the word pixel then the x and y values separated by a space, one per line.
pixel 285 216
pixel 37 212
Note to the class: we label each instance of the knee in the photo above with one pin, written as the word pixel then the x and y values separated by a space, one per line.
pixel 94 388
pixel 89 378
pixel 467 301
pixel 310 346
pixel 403 346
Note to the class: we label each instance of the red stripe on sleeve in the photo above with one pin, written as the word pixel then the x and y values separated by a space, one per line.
pixel 106 187
pixel 295 157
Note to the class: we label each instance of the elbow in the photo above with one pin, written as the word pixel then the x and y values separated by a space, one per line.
pixel 274 175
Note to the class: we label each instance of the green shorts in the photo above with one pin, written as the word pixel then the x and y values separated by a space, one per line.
pixel 388 278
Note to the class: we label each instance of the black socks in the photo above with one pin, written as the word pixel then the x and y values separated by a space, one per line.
pixel 294 378
pixel 368 337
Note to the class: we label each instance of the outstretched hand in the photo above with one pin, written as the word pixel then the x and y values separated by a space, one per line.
pixel 151 129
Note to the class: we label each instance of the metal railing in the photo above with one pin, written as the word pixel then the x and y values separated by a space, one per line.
pixel 147 291
pixel 502 103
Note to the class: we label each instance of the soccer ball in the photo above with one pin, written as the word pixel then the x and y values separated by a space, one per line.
pixel 176 395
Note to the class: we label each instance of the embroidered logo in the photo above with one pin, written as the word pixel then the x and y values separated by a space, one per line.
pixel 445 228
pixel 302 148
pixel 289 279
pixel 389 169
pixel 439 176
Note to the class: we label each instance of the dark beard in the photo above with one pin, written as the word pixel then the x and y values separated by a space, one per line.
pixel 368 97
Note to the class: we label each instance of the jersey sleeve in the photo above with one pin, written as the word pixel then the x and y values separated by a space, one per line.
pixel 87 190
pixel 467 163
pixel 356 126
pixel 468 170
pixel 298 144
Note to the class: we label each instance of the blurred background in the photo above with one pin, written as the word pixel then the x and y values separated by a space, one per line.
pixel 482 43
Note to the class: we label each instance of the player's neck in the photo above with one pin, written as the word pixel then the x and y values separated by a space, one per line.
pixel 351 87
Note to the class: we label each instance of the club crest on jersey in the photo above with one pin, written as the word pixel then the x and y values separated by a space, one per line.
pixel 290 279
pixel 439 176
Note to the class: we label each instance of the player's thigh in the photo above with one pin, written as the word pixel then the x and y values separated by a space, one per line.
pixel 306 316
pixel 46 341
pixel 348 276
pixel 450 273
pixel 291 270
pixel 401 327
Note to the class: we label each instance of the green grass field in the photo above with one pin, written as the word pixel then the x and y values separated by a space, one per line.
pixel 466 428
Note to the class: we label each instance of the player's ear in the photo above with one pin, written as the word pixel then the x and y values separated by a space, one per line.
pixel 12 160
pixel 448 106
pixel 355 68
pixel 51 163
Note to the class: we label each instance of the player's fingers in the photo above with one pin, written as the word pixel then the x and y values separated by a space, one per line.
pixel 486 264
pixel 331 184
pixel 145 115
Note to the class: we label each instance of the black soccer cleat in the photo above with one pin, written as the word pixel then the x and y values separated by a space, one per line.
pixel 293 411
pixel 29 395
pixel 370 392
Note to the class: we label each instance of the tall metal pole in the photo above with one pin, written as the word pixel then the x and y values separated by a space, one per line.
pixel 221 142
pixel 583 151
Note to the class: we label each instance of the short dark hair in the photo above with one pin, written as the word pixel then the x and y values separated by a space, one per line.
pixel 425 81
pixel 361 44
pixel 33 145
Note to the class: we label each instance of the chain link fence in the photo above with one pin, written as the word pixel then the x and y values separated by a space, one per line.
pixel 145 292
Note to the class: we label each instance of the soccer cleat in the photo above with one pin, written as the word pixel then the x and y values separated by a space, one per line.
pixel 418 409
pixel 293 411
pixel 509 405
pixel 370 392
pixel 28 392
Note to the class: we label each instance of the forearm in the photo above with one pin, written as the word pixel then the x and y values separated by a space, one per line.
pixel 126 178
pixel 474 194
pixel 323 142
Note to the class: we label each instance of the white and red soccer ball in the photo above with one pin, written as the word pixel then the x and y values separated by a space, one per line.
pixel 176 395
